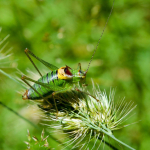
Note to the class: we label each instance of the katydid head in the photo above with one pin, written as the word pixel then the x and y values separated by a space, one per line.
pixel 67 73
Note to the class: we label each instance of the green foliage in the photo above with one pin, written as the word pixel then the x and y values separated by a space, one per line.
pixel 66 33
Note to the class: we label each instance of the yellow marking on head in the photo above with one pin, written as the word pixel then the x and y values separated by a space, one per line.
pixel 62 74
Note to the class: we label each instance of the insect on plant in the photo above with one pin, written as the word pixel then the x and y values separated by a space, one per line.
pixel 59 80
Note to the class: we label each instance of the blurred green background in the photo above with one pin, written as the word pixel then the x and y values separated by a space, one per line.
pixel 65 32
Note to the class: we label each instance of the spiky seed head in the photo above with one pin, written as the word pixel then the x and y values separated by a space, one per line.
pixel 83 116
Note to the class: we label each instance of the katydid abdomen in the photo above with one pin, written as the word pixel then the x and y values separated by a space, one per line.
pixel 51 79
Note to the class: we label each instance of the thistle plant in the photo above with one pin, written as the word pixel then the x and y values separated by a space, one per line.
pixel 83 116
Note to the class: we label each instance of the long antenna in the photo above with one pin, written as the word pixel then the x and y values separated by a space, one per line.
pixel 100 37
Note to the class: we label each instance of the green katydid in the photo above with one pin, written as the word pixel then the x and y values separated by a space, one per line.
pixel 59 80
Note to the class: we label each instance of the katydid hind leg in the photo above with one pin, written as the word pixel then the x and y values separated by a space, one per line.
pixel 54 88
pixel 48 65
pixel 26 52
pixel 24 79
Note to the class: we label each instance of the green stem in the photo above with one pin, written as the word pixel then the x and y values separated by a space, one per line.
pixel 102 130
pixel 112 136
pixel 18 115
pixel 108 144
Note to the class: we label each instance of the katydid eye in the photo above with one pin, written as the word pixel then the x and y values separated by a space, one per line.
pixel 66 70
